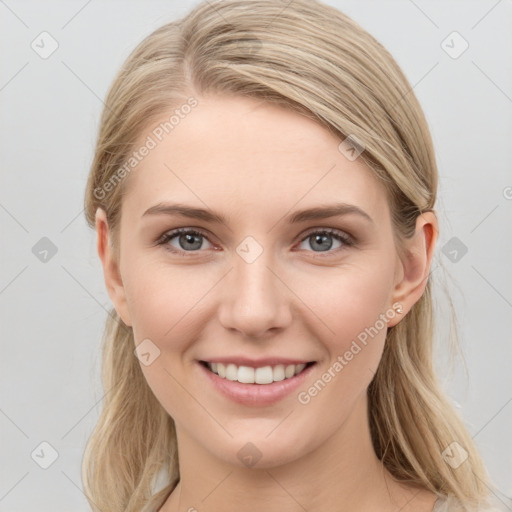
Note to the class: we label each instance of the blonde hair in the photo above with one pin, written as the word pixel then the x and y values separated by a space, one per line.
pixel 313 59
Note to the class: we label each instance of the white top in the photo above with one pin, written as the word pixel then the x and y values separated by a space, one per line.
pixel 451 504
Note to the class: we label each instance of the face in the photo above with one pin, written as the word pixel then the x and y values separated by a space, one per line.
pixel 261 292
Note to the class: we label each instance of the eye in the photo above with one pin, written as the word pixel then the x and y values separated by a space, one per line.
pixel 187 240
pixel 322 241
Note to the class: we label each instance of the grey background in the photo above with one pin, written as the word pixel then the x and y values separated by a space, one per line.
pixel 53 312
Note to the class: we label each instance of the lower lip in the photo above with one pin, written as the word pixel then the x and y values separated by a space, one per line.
pixel 256 394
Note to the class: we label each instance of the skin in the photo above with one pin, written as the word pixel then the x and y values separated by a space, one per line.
pixel 256 163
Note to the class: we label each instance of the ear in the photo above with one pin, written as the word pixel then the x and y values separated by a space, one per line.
pixel 413 266
pixel 111 271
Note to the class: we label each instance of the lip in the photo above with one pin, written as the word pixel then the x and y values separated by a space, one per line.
pixel 255 395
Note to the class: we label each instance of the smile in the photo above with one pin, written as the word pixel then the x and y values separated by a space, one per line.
pixel 254 382
pixel 259 375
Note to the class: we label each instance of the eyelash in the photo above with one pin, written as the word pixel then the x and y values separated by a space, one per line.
pixel 347 240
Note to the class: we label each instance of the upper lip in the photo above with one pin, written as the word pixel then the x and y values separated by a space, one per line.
pixel 256 363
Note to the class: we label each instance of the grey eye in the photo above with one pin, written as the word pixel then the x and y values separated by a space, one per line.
pixel 321 242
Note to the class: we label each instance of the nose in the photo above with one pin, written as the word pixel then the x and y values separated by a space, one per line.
pixel 255 299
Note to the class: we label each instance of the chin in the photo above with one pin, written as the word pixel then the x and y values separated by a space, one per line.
pixel 255 449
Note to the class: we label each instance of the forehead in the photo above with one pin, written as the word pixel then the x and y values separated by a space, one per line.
pixel 256 157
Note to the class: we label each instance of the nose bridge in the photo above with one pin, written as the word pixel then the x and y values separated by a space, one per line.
pixel 254 300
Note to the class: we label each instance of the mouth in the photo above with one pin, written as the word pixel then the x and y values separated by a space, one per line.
pixel 263 375
pixel 255 383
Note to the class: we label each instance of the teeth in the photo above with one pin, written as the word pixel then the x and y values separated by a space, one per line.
pixel 299 368
pixel 289 371
pixel 278 373
pixel 245 374
pixel 231 372
pixel 262 375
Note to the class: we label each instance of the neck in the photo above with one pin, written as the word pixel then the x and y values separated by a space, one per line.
pixel 342 473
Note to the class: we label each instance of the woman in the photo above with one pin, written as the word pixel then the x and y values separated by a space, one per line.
pixel 263 191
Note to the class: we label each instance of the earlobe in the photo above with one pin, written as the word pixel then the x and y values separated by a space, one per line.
pixel 111 271
pixel 416 263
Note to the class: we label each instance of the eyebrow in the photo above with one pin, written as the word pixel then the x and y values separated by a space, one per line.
pixel 316 213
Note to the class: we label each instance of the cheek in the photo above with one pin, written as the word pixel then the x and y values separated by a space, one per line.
pixel 349 303
pixel 167 307
pixel 354 306
pixel 163 302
